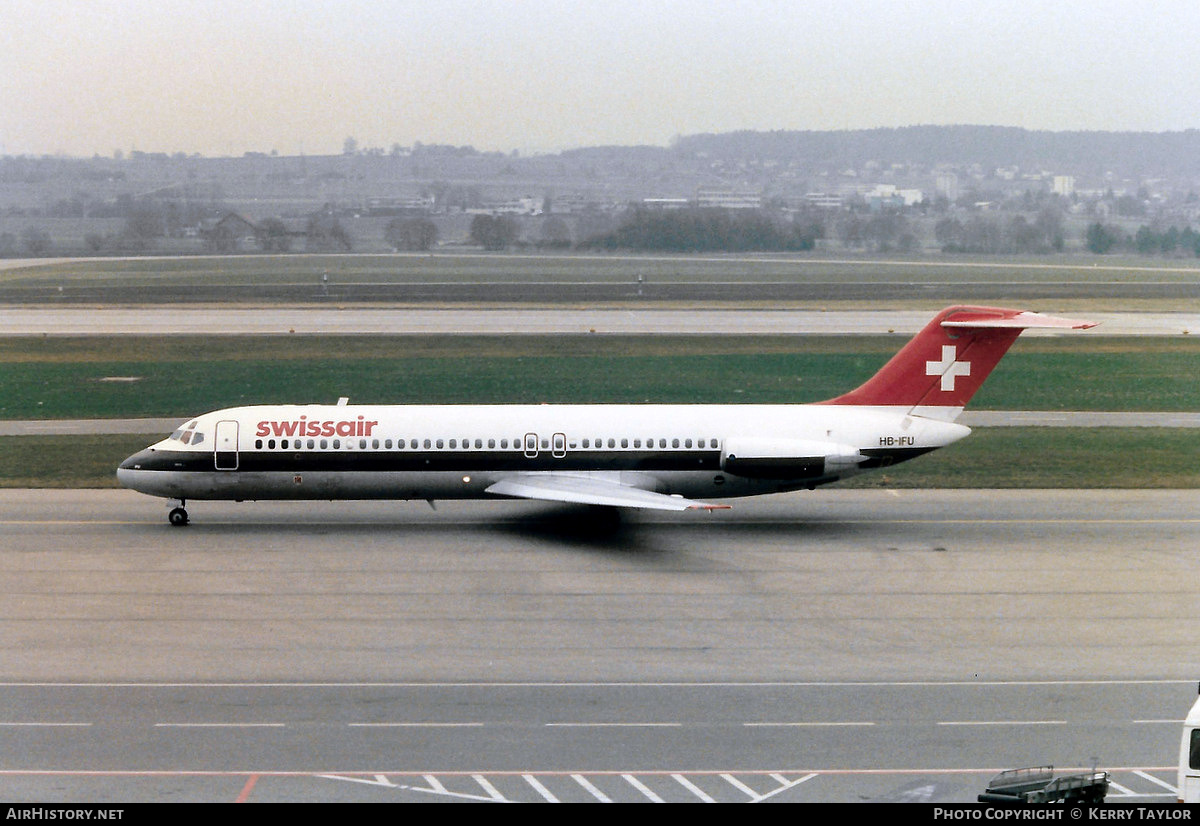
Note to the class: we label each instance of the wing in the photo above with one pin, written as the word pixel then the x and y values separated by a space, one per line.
pixel 591 490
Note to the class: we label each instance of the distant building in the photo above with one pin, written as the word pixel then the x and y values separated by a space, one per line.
pixel 232 232
pixel 400 205
pixel 1064 185
pixel 889 196
pixel 946 185
pixel 513 206
pixel 728 198
pixel 824 200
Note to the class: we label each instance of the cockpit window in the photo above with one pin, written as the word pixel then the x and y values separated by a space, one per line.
pixel 189 436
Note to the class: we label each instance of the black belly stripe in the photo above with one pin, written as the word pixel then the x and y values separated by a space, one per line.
pixel 382 461
pixel 475 461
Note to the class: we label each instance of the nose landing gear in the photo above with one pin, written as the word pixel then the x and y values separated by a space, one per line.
pixel 178 516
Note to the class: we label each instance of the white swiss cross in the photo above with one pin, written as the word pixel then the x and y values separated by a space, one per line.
pixel 948 368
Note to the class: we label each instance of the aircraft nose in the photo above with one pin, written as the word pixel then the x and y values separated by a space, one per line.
pixel 133 462
pixel 137 472
pixel 130 470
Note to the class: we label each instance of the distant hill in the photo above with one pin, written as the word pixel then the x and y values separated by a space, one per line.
pixel 1143 154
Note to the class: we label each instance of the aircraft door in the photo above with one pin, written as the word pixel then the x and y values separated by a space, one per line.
pixel 531 445
pixel 225 447
pixel 559 445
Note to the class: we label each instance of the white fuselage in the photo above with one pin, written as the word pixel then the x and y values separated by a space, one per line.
pixel 459 451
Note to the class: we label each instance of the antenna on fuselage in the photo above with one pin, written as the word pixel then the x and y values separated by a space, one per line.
pixel 343 400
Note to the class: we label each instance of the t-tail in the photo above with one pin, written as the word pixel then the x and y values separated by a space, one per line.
pixel 937 373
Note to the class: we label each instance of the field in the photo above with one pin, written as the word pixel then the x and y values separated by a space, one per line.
pixel 1072 282
pixel 98 377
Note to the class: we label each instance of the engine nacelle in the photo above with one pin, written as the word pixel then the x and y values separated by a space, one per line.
pixel 760 458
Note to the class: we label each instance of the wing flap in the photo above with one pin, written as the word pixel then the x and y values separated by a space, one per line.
pixel 585 490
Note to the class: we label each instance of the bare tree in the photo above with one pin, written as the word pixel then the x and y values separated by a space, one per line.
pixel 411 234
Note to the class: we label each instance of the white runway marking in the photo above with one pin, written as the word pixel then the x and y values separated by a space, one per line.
pixel 643 788
pixel 693 788
pixel 592 790
pixel 1003 723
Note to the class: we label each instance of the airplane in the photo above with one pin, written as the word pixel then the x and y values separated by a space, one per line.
pixel 655 456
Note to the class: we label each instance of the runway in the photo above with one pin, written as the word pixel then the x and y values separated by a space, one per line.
pixel 274 320
pixel 823 585
pixel 832 645
pixel 578 742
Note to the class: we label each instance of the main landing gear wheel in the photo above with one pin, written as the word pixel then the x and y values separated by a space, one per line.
pixel 178 517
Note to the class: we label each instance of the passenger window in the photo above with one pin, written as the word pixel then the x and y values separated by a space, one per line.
pixel 258 444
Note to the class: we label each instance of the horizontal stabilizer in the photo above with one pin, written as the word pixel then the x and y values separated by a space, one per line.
pixel 591 490
pixel 1013 320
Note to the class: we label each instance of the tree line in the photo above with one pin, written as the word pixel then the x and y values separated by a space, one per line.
pixel 1102 239
pixel 657 230
pixel 996 235
pixel 707 230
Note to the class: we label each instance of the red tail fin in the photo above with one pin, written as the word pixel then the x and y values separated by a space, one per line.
pixel 938 372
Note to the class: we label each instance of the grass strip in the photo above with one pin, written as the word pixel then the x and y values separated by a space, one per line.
pixel 52 378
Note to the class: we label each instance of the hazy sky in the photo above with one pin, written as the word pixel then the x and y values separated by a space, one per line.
pixel 222 77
